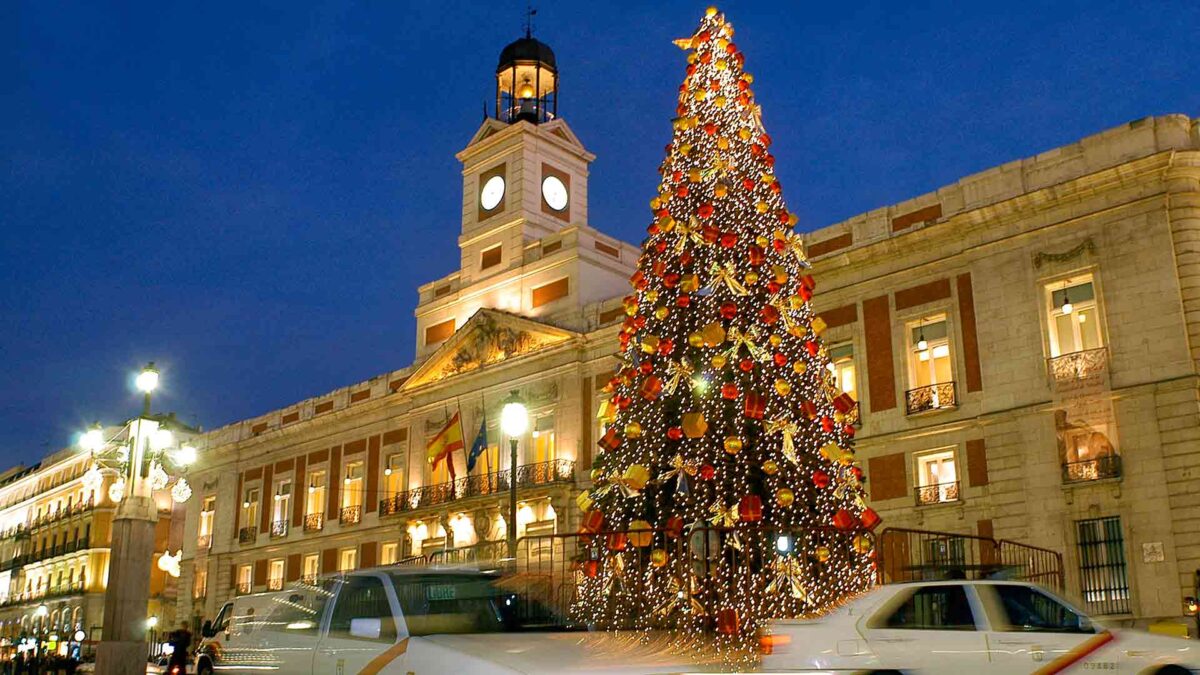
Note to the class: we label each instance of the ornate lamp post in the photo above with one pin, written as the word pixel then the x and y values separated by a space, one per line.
pixel 141 452
pixel 514 420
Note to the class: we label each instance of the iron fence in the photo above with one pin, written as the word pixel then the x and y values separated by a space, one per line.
pixel 917 555
pixel 476 485
pixel 933 397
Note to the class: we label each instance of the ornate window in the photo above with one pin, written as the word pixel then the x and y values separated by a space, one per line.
pixel 1076 330
pixel 930 365
pixel 937 477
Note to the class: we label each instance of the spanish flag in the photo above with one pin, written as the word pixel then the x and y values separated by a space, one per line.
pixel 449 439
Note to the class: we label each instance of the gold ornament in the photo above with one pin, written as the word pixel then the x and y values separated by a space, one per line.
pixel 775 340
pixel 733 445
pixel 635 477
pixel 723 516
pixel 680 372
pixel 596 474
pixel 680 470
pixel 661 312
pixel 694 425
pixel 799 367
pixel 783 387
pixel 633 430
pixel 770 468
pixel 719 190
pixel 723 143
pixel 658 557
pixel 785 497
pixel 863 544
pixel 696 340
pixel 689 283
pixel 751 278
pixel 651 297
pixel 650 344
pixel 788 573
pixel 788 430
pixel 694 175
pixel 713 334
pixel 718 361
pixel 824 554
pixel 749 340
pixel 584 501
pixel 727 274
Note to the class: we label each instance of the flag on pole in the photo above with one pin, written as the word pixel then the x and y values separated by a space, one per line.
pixel 479 446
pixel 442 447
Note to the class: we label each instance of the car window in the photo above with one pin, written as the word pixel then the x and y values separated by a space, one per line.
pixel 362 598
pixel 475 603
pixel 297 612
pixel 933 608
pixel 1027 609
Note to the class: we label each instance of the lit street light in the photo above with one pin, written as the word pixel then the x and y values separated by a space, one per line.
pixel 514 420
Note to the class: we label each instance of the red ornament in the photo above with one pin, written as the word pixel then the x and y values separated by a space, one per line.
pixel 593 521
pixel 675 433
pixel 779 245
pixel 685 258
pixel 674 528
pixel 661 246
pixel 804 293
pixel 848 429
pixel 757 255
pixel 591 568
pixel 666 346
pixel 728 622
pixel 638 280
pixel 683 300
pixel 746 365
pixel 812 347
pixel 705 211
pixel 750 509
pixel 844 403
pixel 809 409
pixel 710 234
pixel 676 176
pixel 671 280
pixel 652 229
pixel 659 268
pixel 807 281
pixel 857 471
pixel 748 185
pixel 710 129
pixel 844 520
pixel 617 541
pixel 768 314
pixel 764 139
pixel 755 405
pixel 610 440
pixel 870 519
pixel 757 149
pixel 624 402
pixel 780 359
pixel 820 479
pixel 707 472
pixel 731 48
pixel 728 240
pixel 647 367
pixel 729 391
pixel 729 309
pixel 827 424
pixel 773 287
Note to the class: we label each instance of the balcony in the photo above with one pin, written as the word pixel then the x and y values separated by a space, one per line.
pixel 528 475
pixel 73 510
pixel 940 396
pixel 1078 366
pixel 309 579
pixel 314 522
pixel 279 528
pixel 242 588
pixel 204 542
pixel 939 493
pixel 1099 468
pixel 247 535
pixel 275 584
pixel 351 515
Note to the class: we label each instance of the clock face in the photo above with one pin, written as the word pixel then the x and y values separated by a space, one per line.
pixel 554 192
pixel 492 193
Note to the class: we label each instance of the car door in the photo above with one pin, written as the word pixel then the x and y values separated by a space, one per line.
pixel 931 629
pixel 362 629
pixel 1030 629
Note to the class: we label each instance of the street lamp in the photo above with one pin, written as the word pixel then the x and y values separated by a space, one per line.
pixel 147 382
pixel 92 439
pixel 514 420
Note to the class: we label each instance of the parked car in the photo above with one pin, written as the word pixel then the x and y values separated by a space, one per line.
pixel 418 620
pixel 956 627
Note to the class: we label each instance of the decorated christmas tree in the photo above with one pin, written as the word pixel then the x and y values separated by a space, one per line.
pixel 727 443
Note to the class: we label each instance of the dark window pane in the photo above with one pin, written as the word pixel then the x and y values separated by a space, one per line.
pixel 934 608
pixel 1029 610
pixel 362 598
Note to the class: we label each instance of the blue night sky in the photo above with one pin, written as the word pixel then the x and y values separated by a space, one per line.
pixel 249 193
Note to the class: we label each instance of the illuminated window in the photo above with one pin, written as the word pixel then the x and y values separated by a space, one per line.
pixel 393 474
pixel 347 559
pixel 245 578
pixel 352 485
pixel 311 566
pixel 250 507
pixel 315 501
pixel 1074 316
pixel 929 352
pixel 389 553
pixel 543 439
pixel 200 583
pixel 275 574
pixel 206 516
pixel 841 364
pixel 937 477
pixel 282 502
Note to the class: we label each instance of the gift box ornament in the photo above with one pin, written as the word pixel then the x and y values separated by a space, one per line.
pixel 728 622
pixel 640 534
pixel 694 424
pixel 593 522
pixel 750 509
pixel 650 344
pixel 755 405
pixel 844 403
pixel 713 334
pixel 610 440
pixel 584 501
pixel 844 520
pixel 818 325
pixel 635 477
pixel 651 388
pixel 870 519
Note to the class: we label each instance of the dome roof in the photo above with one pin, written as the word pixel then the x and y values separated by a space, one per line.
pixel 527 49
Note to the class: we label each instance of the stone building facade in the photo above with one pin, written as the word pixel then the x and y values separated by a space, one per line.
pixel 1024 344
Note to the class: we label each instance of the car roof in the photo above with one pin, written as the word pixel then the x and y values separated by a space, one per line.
pixel 961 582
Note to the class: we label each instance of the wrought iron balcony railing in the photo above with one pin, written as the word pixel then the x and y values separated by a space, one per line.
pixel 1078 365
pixel 938 396
pixel 313 522
pixel 309 579
pixel 53 517
pixel 528 475
pixel 247 535
pixel 1098 468
pixel 204 542
pixel 275 584
pixel 351 515
pixel 939 493
pixel 242 588
pixel 279 528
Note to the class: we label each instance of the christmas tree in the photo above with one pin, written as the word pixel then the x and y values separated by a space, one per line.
pixel 726 441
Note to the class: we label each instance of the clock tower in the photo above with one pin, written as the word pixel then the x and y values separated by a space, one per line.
pixel 525 243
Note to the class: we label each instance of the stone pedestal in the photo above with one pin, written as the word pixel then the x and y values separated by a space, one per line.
pixel 123 649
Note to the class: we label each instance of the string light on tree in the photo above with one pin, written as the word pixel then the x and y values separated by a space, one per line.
pixel 722 412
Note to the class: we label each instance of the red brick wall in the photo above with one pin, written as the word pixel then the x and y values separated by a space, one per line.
pixel 334 507
pixel 299 493
pixel 886 476
pixel 966 314
pixel 372 496
pixel 881 372
pixel 977 471
pixel 919 295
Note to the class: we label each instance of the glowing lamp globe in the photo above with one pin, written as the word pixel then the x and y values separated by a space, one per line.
pixel 92 440
pixel 147 380
pixel 514 418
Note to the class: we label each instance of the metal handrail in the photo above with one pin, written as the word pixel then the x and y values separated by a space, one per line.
pixel 351 515
pixel 938 493
pixel 247 535
pixel 913 555
pixel 314 522
pixel 1078 365
pixel 937 396
pixel 279 528
pixel 1097 468
pixel 476 485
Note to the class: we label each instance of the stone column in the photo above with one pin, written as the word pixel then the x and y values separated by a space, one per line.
pixel 123 649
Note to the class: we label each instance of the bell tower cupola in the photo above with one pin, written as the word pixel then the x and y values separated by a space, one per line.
pixel 527 82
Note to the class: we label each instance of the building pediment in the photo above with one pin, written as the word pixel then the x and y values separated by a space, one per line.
pixel 488 338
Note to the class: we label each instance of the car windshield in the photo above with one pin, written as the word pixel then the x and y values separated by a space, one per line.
pixel 477 603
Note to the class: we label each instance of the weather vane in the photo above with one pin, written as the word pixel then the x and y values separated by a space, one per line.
pixel 530 12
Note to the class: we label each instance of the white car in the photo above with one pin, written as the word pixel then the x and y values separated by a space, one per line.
pixel 956 627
